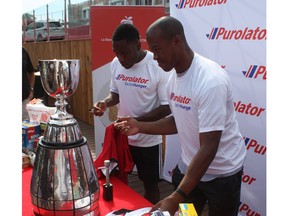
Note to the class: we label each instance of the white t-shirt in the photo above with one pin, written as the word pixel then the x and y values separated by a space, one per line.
pixel 201 101
pixel 141 89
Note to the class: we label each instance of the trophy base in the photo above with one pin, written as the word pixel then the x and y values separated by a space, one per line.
pixel 64 180
pixel 96 212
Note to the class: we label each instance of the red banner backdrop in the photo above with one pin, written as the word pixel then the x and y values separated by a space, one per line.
pixel 104 20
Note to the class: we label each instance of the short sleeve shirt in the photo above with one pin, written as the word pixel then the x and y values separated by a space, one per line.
pixel 201 101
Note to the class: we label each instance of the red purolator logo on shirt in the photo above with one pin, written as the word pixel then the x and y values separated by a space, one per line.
pixel 180 99
pixel 132 79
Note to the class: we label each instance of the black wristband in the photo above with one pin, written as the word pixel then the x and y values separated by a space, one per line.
pixel 178 190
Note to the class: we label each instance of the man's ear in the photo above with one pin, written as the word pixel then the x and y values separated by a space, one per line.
pixel 177 39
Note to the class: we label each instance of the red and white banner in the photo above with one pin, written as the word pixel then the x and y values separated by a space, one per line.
pixel 104 20
pixel 233 33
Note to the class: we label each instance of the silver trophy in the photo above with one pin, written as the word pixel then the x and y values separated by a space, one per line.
pixel 64 180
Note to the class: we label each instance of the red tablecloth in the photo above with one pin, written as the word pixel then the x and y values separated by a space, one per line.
pixel 123 196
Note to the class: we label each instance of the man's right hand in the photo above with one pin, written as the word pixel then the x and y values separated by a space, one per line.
pixel 127 125
pixel 99 108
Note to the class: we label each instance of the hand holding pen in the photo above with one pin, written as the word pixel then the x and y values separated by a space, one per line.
pixel 99 108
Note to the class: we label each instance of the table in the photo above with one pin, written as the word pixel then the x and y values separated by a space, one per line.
pixel 123 196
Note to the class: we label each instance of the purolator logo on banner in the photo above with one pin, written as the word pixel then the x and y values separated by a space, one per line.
pixel 255 71
pixel 198 3
pixel 247 179
pixel 253 145
pixel 248 109
pixel 221 33
pixel 245 209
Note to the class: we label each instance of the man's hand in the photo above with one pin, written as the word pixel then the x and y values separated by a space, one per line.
pixel 170 204
pixel 99 108
pixel 127 125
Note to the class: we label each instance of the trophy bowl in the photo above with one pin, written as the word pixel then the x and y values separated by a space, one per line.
pixel 59 77
pixel 64 180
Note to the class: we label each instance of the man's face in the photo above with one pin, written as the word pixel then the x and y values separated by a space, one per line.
pixel 126 52
pixel 163 50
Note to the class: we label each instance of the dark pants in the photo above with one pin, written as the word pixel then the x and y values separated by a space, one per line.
pixel 221 194
pixel 146 160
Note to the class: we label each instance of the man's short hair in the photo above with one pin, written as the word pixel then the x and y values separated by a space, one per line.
pixel 126 32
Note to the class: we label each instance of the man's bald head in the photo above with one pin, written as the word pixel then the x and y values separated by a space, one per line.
pixel 167 26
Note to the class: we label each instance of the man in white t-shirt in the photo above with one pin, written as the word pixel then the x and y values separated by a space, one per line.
pixel 212 148
pixel 138 86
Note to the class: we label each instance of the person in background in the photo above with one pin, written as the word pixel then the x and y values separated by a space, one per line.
pixel 28 81
pixel 138 85
pixel 201 100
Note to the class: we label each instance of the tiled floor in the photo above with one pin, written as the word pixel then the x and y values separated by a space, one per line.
pixel 166 187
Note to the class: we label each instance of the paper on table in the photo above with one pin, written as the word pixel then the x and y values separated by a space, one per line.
pixel 138 212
